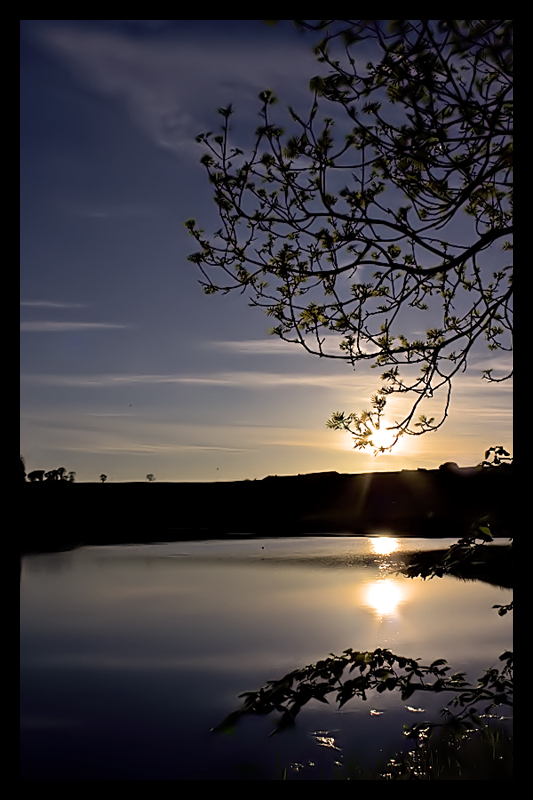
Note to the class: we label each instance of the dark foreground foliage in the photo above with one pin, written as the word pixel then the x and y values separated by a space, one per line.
pixel 356 673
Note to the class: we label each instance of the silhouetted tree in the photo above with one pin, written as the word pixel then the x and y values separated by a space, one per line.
pixel 36 475
pixel 71 477
pixel 400 222
pixel 150 477
pixel 52 475
pixel 496 456
pixel 22 471
pixel 103 477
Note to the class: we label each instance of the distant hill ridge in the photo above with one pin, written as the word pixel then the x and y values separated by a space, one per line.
pixel 438 502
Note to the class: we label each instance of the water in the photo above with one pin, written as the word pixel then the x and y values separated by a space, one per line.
pixel 131 654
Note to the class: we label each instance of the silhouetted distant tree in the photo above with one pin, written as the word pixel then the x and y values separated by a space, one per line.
pixel 496 456
pixel 36 475
pixel 150 477
pixel 59 474
pixel 399 223
pixel 103 477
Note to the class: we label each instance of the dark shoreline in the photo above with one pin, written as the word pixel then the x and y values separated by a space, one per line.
pixel 439 503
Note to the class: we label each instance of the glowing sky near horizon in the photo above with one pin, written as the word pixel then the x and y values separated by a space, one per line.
pixel 127 368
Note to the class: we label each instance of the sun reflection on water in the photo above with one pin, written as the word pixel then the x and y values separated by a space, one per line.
pixel 384 596
pixel 384 545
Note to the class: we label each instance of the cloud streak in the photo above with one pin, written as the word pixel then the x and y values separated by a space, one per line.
pixel 50 304
pixel 251 380
pixel 152 449
pixel 257 346
pixel 66 327
pixel 259 380
pixel 277 346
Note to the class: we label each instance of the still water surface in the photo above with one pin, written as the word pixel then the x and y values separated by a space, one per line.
pixel 130 654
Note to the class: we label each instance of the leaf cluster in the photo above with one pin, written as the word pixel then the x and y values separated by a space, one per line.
pixel 411 145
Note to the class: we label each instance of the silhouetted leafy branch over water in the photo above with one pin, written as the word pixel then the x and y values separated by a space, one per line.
pixel 355 673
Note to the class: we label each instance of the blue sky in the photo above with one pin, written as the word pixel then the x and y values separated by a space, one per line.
pixel 127 367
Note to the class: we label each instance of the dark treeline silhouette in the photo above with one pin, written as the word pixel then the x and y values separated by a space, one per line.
pixel 59 474
pixel 444 502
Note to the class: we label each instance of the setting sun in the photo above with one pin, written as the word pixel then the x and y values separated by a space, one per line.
pixel 382 437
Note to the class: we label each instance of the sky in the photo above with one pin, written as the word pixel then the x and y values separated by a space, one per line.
pixel 127 367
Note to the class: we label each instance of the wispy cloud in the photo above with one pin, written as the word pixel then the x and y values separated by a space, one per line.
pixel 109 414
pixel 276 346
pixel 49 326
pixel 150 449
pixel 257 346
pixel 250 380
pixel 484 412
pixel 109 433
pixel 141 449
pixel 50 304
pixel 207 447
pixel 160 80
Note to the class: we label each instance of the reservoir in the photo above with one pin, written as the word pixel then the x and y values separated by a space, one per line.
pixel 131 654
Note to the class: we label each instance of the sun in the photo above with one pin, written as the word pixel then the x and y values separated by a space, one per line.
pixel 381 437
